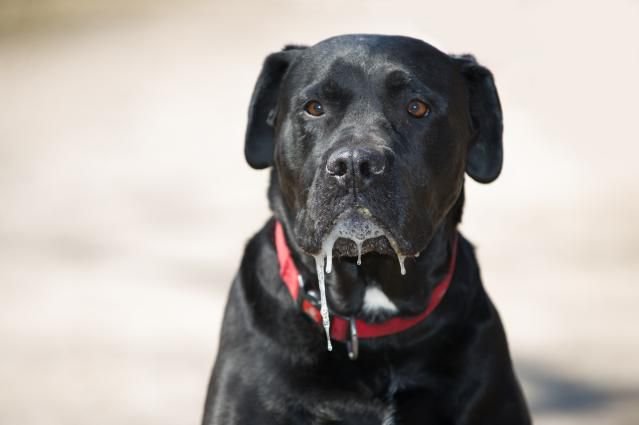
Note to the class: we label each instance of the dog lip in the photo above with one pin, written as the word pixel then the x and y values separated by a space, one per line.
pixel 347 248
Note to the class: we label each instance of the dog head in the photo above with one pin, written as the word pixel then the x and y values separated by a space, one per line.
pixel 372 135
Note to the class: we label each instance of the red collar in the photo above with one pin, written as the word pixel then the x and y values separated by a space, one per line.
pixel 341 327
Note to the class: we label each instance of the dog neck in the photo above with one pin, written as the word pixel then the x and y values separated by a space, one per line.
pixel 351 329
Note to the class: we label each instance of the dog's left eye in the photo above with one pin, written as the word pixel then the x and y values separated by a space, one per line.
pixel 314 108
pixel 417 108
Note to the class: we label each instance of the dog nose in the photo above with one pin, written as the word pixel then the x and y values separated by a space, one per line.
pixel 360 163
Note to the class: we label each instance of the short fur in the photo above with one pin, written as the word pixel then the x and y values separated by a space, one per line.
pixel 453 368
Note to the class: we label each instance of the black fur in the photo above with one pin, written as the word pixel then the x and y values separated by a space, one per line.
pixel 454 367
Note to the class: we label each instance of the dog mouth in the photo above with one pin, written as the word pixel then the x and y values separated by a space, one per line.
pixel 353 233
pixel 356 232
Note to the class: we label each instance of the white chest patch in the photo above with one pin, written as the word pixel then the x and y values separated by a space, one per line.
pixel 375 300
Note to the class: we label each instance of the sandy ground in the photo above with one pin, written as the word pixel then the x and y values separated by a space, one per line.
pixel 125 200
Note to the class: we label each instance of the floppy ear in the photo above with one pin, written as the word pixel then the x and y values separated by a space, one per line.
pixel 258 145
pixel 485 153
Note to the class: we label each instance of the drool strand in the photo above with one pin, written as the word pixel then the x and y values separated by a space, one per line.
pixel 326 321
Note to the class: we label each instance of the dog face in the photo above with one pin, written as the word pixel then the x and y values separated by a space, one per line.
pixel 372 134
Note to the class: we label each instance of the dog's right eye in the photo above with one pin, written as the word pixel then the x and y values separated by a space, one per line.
pixel 314 108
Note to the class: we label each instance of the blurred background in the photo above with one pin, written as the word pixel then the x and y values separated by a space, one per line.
pixel 125 201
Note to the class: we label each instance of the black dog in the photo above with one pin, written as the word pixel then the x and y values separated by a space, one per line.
pixel 369 138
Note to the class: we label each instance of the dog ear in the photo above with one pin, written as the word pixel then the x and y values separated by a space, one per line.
pixel 485 153
pixel 258 145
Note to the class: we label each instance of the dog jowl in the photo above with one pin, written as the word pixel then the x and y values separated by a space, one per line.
pixel 369 139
